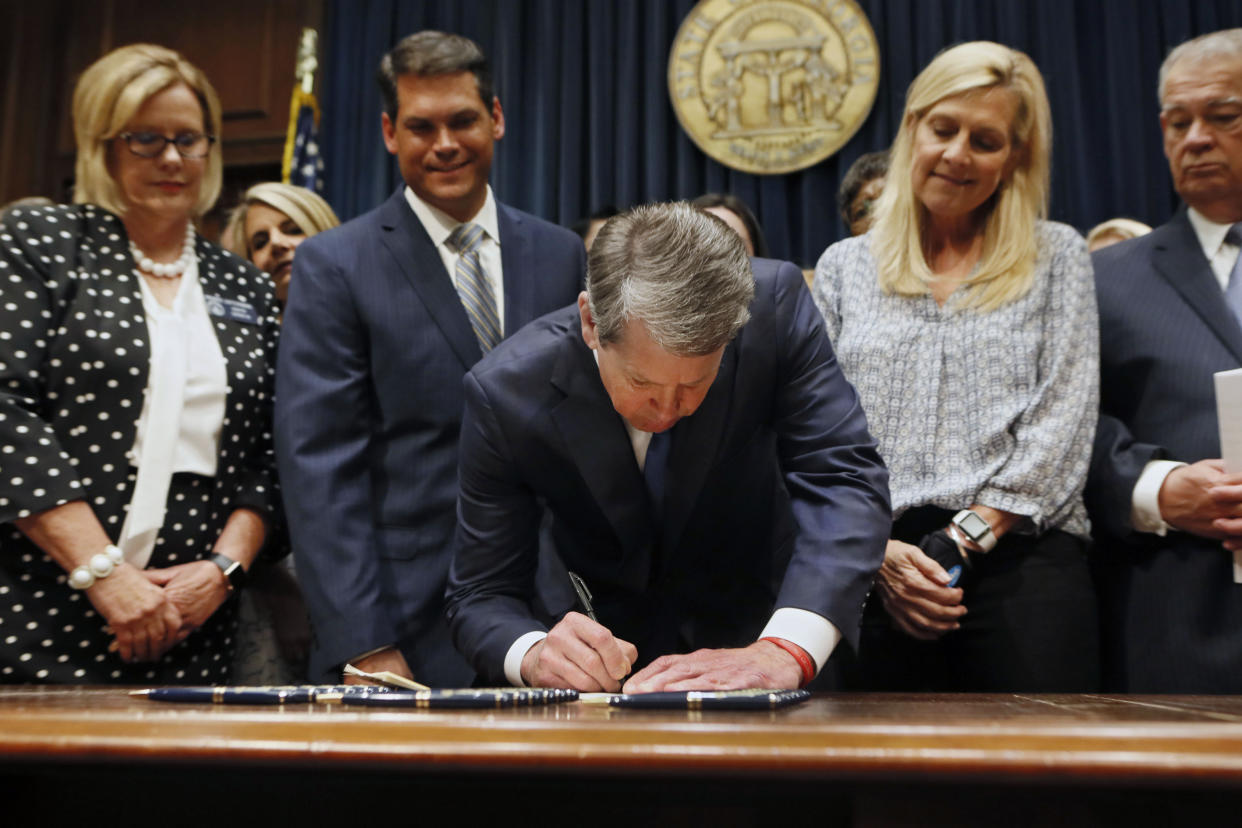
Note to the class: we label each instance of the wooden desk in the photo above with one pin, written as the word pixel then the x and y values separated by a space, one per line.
pixel 848 759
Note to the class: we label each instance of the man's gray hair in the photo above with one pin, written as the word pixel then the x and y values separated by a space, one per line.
pixel 681 272
pixel 1225 44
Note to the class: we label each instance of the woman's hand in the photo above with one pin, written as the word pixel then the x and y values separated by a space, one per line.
pixel 196 589
pixel 913 588
pixel 141 616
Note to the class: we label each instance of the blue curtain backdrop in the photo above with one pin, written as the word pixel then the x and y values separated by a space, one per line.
pixel 588 119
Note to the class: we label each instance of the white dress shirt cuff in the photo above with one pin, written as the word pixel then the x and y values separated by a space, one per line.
pixel 513 658
pixel 810 631
pixel 1145 502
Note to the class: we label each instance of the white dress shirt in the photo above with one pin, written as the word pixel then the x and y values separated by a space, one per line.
pixel 439 225
pixel 1145 500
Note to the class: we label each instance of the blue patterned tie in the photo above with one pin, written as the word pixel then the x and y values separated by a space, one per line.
pixel 1233 292
pixel 473 286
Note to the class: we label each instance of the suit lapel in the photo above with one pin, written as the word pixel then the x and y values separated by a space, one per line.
pixel 517 261
pixel 597 442
pixel 1178 258
pixel 236 338
pixel 419 261
pixel 695 442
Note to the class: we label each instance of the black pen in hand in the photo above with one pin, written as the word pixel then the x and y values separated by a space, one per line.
pixel 584 595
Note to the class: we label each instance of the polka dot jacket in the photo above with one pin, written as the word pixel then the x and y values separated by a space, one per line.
pixel 74 359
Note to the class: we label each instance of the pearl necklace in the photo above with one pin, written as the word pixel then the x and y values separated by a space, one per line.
pixel 173 269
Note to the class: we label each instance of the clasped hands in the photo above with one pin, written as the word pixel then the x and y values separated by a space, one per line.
pixel 583 655
pixel 149 611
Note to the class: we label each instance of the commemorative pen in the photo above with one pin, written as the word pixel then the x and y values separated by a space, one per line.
pixel 700 699
pixel 291 694
pixel 465 698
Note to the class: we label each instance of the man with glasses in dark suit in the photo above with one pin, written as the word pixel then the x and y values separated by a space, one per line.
pixel 1167 518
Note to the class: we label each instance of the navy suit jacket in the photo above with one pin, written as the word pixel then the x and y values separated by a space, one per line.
pixel 1171 614
pixel 373 348
pixel 776 494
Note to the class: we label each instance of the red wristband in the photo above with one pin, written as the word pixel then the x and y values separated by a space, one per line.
pixel 804 660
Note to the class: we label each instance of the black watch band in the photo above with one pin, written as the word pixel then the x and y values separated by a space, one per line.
pixel 233 570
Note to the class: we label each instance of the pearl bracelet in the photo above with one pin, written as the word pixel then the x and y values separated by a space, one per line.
pixel 99 566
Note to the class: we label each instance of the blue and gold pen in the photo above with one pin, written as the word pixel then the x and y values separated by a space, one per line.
pixel 291 694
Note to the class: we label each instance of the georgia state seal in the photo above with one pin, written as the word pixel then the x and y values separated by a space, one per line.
pixel 773 86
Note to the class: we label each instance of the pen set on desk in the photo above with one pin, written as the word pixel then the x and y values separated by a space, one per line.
pixel 362 694
pixel 393 690
pixel 473 698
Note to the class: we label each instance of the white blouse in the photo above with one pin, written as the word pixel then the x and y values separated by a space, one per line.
pixel 202 414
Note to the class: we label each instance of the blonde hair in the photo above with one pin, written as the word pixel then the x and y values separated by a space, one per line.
pixel 1006 266
pixel 109 93
pixel 307 209
pixel 1122 228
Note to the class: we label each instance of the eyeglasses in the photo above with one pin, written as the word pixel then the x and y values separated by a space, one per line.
pixel 152 144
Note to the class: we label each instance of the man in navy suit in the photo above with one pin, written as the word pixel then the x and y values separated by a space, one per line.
pixel 703 464
pixel 1166 516
pixel 385 315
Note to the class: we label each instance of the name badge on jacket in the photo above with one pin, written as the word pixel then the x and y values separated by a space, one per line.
pixel 232 309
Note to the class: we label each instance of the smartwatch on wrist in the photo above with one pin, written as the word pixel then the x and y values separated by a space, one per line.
pixel 233 571
pixel 975 529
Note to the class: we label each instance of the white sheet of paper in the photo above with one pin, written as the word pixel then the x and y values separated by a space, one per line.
pixel 1229 414
pixel 386 677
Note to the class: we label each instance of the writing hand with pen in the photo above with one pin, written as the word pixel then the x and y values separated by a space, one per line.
pixel 579 652
pixel 583 654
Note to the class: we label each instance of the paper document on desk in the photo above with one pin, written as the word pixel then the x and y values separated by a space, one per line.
pixel 1229 414
pixel 386 678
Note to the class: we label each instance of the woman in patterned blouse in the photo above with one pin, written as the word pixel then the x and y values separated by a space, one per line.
pixel 967 322
pixel 136 366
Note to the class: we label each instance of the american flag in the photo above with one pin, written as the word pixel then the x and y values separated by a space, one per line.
pixel 303 163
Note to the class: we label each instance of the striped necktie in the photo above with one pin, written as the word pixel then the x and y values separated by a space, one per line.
pixel 473 286
pixel 1233 291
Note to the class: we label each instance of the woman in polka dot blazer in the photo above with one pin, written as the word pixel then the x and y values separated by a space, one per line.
pixel 136 371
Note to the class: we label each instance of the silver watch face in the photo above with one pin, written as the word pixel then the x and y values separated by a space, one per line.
pixel 974 526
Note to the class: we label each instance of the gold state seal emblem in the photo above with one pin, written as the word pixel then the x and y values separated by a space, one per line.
pixel 773 86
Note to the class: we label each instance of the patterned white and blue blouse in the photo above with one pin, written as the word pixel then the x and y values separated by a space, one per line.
pixel 991 407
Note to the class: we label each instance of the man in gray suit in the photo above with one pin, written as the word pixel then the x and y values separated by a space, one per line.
pixel 1167 518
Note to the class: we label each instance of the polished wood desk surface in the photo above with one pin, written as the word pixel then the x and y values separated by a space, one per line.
pixel 840 736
